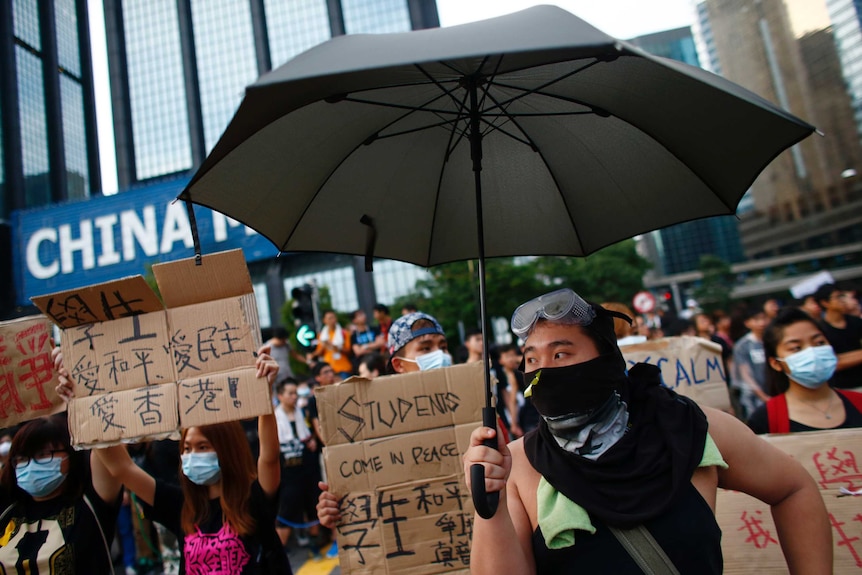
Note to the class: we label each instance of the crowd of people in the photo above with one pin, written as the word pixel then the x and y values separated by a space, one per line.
pixel 584 446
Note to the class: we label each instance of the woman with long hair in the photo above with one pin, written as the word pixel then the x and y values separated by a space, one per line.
pixel 801 361
pixel 223 511
pixel 59 506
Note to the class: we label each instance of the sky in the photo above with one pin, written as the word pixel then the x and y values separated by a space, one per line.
pixel 619 18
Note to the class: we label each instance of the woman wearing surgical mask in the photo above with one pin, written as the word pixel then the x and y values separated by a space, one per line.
pixel 801 362
pixel 56 516
pixel 223 511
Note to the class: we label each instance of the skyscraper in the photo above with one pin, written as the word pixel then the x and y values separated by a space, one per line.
pixel 846 17
pixel 48 146
pixel 178 68
pixel 803 200
pixel 48 149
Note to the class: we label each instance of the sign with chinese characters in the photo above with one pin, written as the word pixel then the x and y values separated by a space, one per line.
pixel 27 377
pixel 834 458
pixel 393 457
pixel 143 369
pixel 691 366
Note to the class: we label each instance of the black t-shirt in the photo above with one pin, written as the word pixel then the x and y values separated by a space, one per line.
pixel 759 420
pixel 215 547
pixel 842 340
pixel 60 535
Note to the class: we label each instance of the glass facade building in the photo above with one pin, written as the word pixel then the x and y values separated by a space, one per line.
pixel 48 142
pixel 846 18
pixel 48 149
pixel 179 68
pixel 178 72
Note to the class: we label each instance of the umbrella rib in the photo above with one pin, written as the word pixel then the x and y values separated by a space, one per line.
pixel 411 109
pixel 538 89
pixel 449 148
pixel 535 148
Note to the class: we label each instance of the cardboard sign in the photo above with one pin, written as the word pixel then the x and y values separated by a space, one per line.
pixel 393 457
pixel 749 538
pixel 359 409
pixel 141 370
pixel 691 366
pixel 27 377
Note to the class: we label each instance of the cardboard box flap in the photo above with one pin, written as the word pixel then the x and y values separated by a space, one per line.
pixel 99 302
pixel 691 366
pixel 220 275
pixel 679 342
pixel 394 404
pixel 749 539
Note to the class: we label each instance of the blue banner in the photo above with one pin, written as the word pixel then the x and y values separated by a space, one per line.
pixel 79 243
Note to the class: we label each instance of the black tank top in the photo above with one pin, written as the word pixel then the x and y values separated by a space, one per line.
pixel 687 532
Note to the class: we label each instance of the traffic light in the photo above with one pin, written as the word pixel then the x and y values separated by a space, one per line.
pixel 303 314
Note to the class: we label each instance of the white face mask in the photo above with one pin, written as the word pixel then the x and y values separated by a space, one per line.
pixel 431 360
pixel 811 367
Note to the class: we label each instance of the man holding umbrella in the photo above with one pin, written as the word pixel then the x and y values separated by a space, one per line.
pixel 620 464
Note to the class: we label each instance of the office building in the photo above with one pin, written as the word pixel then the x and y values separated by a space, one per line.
pixel 177 71
pixel 804 211
pixel 48 147
pixel 179 68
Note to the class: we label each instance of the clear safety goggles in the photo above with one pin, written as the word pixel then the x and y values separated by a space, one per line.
pixel 552 306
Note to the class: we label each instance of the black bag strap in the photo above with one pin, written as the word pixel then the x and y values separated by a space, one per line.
pixel 645 550
pixel 101 531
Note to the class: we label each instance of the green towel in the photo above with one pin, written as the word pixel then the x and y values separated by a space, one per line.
pixel 560 517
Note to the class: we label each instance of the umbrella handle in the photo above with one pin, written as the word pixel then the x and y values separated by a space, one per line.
pixel 485 503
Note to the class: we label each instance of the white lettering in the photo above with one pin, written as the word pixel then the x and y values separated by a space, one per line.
pixel 34 264
pixel 109 254
pixel 220 225
pixel 144 232
pixel 176 228
pixel 69 246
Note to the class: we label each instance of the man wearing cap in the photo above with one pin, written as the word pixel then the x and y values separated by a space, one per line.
pixel 620 464
pixel 416 343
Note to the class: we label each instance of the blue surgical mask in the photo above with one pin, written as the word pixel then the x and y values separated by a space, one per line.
pixel 201 468
pixel 431 360
pixel 40 479
pixel 813 366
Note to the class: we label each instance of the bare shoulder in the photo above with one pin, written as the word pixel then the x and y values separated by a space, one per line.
pixel 523 479
pixel 726 429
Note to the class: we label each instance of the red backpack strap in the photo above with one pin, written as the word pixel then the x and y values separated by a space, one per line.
pixel 778 415
pixel 853 397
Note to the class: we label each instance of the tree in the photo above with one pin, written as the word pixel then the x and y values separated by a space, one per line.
pixel 614 273
pixel 452 293
pixel 713 293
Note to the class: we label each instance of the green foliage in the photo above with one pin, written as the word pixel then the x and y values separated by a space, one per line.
pixel 452 293
pixel 713 293
pixel 612 274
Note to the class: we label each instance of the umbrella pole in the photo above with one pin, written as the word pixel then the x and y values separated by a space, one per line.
pixel 485 503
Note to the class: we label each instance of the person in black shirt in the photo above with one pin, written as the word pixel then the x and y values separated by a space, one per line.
pixel 844 332
pixel 59 506
pixel 800 362
pixel 223 511
pixel 616 450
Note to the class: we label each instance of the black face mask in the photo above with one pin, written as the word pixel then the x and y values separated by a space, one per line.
pixel 575 389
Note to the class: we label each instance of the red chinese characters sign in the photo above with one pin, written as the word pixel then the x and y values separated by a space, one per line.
pixel 834 460
pixel 27 378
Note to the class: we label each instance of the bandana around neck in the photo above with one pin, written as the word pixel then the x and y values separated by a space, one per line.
pixel 641 474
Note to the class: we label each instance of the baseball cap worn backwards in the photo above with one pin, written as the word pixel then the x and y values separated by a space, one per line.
pixel 401 331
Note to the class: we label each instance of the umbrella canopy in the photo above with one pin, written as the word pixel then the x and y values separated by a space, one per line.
pixel 528 134
pixel 586 140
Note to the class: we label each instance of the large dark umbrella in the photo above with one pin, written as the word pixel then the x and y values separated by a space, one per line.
pixel 376 144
